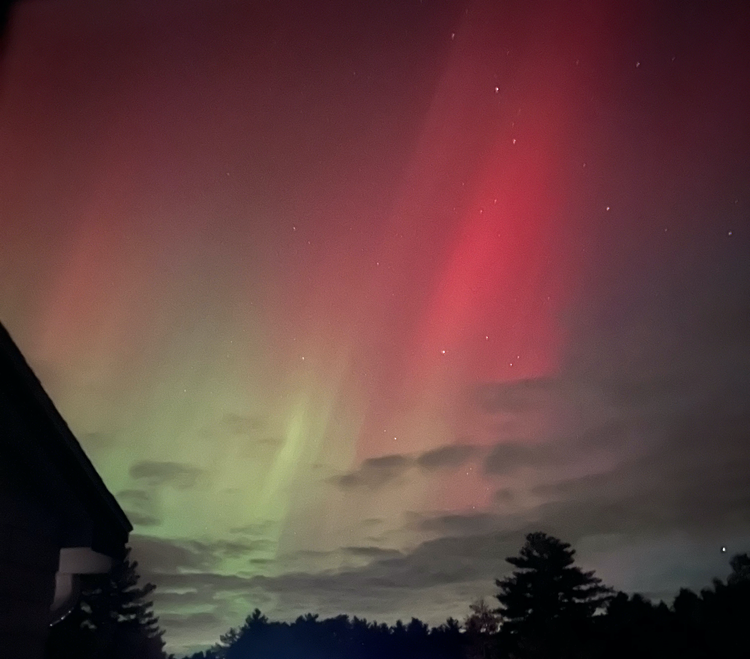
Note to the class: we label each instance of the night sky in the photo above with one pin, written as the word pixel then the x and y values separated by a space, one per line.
pixel 344 298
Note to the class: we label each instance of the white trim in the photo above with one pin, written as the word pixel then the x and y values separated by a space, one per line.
pixel 83 560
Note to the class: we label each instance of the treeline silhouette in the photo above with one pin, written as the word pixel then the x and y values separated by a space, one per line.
pixel 549 608
pixel 314 638
pixel 546 608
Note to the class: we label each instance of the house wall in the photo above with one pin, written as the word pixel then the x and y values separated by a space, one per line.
pixel 50 497
pixel 29 557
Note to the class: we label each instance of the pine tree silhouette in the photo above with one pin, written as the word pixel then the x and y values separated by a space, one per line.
pixel 114 619
pixel 547 600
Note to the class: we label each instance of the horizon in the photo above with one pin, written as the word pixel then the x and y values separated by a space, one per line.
pixel 462 621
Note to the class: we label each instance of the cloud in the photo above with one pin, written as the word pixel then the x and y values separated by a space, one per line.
pixel 435 580
pixel 187 577
pixel 202 619
pixel 386 462
pixel 392 583
pixel 162 556
pixel 372 552
pixel 644 498
pixel 640 498
pixel 141 519
pixel 675 379
pixel 140 507
pixel 524 410
pixel 262 561
pixel 243 424
pixel 159 556
pixel 597 437
pixel 234 549
pixel 507 457
pixel 458 524
pixel 135 497
pixel 504 495
pixel 678 485
pixel 446 457
pixel 179 598
pixel 176 474
pixel 374 473
pixel 255 528
pixel 212 584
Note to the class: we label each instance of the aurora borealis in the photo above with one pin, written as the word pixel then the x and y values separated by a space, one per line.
pixel 342 299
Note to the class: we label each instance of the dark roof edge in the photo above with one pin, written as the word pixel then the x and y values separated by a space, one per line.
pixel 83 470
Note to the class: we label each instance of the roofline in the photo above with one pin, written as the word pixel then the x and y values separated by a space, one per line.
pixel 67 447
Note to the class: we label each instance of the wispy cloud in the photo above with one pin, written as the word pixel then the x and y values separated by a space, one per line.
pixel 140 507
pixel 175 474
pixel 375 472
pixel 371 552
pixel 446 457
pixel 243 424
pixel 186 555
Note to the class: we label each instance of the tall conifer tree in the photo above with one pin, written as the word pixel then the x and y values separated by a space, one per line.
pixel 114 619
pixel 547 599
